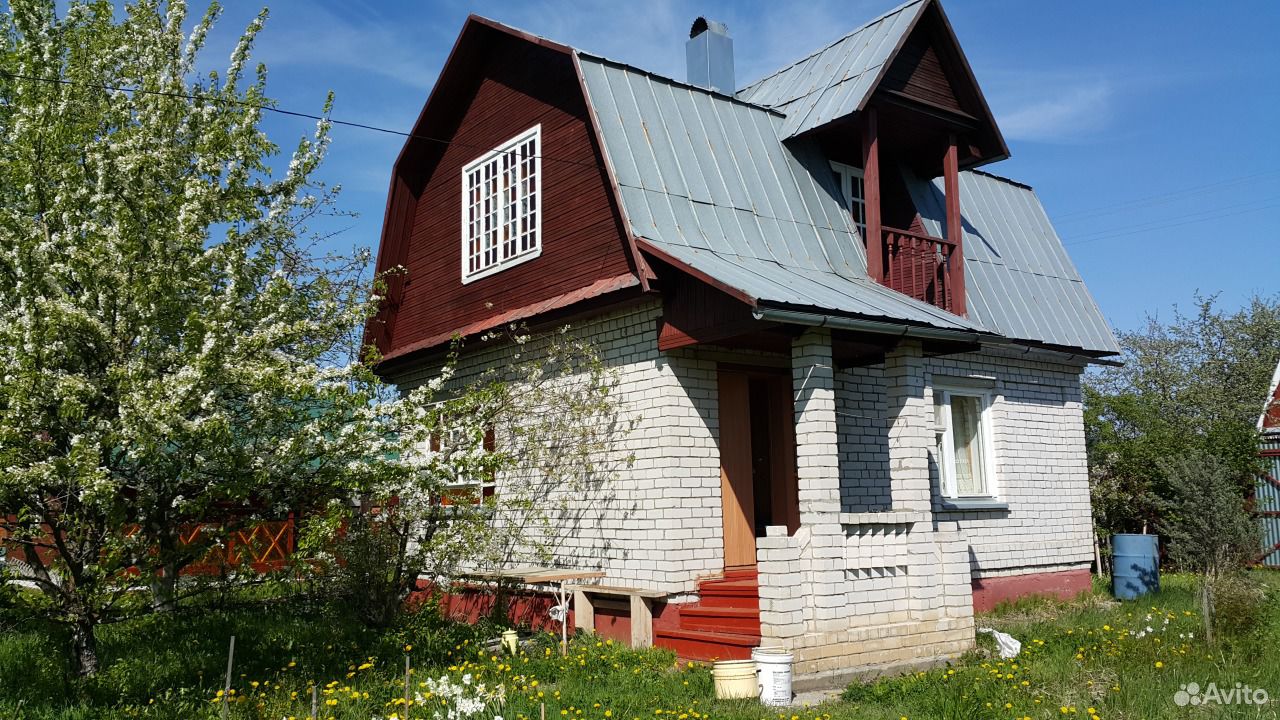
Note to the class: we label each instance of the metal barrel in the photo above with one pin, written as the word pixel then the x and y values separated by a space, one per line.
pixel 1135 565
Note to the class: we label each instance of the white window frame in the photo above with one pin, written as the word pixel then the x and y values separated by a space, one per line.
pixel 441 443
pixel 851 179
pixel 508 253
pixel 946 441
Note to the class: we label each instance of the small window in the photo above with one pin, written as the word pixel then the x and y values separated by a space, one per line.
pixel 849 180
pixel 962 426
pixel 502 206
pixel 466 490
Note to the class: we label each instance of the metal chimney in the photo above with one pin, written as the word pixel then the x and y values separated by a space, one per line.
pixel 709 54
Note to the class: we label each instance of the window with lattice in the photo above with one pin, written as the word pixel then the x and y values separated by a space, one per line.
pixel 502 206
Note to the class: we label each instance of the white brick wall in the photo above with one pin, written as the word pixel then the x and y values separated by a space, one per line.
pixel 879 571
pixel 658 525
pixel 1041 467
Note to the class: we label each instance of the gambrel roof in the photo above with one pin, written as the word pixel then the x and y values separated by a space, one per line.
pixel 732 190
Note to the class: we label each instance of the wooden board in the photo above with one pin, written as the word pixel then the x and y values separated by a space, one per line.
pixel 737 502
pixel 786 489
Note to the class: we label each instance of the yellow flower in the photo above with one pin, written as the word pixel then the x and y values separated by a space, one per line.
pixel 1159 664
pixel 407 648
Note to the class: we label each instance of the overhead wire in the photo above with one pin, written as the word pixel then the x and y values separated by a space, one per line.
pixel 280 111
pixel 1158 199
pixel 1064 218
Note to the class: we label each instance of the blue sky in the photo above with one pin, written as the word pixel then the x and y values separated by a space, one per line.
pixel 1149 130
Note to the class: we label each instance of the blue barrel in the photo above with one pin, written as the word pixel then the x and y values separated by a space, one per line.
pixel 1135 565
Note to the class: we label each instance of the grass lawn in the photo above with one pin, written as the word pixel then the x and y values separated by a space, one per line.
pixel 1090 657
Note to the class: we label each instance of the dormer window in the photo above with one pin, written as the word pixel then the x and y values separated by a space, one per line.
pixel 501 207
pixel 849 180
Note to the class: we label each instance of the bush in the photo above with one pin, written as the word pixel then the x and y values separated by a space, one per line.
pixel 1243 609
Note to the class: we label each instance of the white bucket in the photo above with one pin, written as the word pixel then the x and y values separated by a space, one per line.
pixel 735 679
pixel 775 676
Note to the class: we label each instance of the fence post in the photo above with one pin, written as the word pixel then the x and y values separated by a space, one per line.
pixel 226 687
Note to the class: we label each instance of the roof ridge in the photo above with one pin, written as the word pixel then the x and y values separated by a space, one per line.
pixel 678 83
pixel 880 18
pixel 498 24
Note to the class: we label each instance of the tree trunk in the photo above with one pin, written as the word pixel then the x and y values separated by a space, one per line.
pixel 84 647
pixel 164 589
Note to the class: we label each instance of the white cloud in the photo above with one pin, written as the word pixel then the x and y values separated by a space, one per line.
pixel 1048 109
pixel 355 38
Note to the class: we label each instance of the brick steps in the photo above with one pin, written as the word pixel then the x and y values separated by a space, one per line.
pixel 723 625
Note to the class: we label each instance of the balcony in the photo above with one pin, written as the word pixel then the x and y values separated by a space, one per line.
pixel 923 267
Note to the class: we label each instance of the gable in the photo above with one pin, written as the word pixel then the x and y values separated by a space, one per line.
pixel 909 54
pixel 496 86
pixel 917 73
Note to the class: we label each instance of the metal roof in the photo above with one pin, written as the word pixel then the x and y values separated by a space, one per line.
pixel 708 180
pixel 1019 280
pixel 834 81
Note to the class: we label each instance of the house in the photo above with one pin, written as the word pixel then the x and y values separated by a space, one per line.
pixel 853 357
pixel 1267 495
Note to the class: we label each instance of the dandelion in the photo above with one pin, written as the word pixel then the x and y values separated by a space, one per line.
pixel 1159 664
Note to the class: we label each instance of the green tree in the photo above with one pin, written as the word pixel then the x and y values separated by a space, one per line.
pixel 1207 525
pixel 174 350
pixel 1191 387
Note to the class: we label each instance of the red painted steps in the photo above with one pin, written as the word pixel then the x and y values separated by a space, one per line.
pixel 745 621
pixel 696 645
pixel 723 625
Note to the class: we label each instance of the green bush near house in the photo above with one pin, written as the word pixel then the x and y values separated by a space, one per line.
pixel 1118 660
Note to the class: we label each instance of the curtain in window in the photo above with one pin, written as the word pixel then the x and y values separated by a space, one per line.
pixel 966 414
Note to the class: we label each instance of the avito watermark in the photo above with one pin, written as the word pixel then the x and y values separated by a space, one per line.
pixel 1193 694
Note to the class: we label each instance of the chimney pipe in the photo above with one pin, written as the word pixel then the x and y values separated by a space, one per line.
pixel 709 54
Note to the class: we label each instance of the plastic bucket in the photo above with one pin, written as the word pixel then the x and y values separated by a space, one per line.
pixel 735 679
pixel 775 676
pixel 1135 565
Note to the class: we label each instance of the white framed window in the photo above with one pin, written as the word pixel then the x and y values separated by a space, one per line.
pixel 849 180
pixel 965 447
pixel 502 206
pixel 465 489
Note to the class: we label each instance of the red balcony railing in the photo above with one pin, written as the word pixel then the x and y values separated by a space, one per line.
pixel 921 266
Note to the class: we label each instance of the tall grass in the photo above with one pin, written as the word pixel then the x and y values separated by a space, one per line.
pixel 1093 654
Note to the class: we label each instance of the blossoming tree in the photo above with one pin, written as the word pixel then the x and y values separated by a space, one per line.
pixel 174 352
pixel 178 361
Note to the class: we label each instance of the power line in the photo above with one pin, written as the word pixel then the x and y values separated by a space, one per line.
pixel 280 111
pixel 1070 217
pixel 1158 199
pixel 1168 225
pixel 1212 211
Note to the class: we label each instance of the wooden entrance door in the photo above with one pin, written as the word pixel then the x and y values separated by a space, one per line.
pixel 757 459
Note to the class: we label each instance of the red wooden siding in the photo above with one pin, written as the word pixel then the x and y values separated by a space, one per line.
pixel 513 84
pixel 918 73
pixel 1272 419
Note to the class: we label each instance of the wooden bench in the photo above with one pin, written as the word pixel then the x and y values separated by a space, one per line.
pixel 640 603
